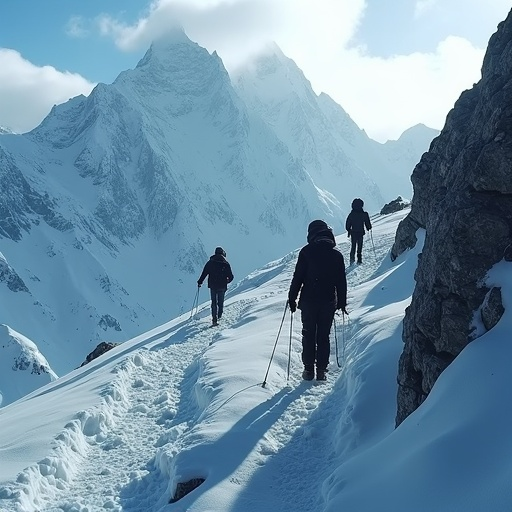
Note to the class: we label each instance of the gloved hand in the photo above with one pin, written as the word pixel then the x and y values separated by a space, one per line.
pixel 199 284
pixel 349 233
pixel 343 309
pixel 293 305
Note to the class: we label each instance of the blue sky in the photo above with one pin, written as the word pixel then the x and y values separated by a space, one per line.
pixel 45 37
pixel 402 26
pixel 390 65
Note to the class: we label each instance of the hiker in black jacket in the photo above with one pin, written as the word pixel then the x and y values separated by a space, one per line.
pixel 357 220
pixel 320 277
pixel 219 275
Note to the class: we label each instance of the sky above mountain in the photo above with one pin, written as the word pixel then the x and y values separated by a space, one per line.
pixel 389 65
pixel 185 401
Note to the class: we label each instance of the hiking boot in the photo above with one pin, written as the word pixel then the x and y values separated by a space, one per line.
pixel 359 261
pixel 352 261
pixel 320 375
pixel 308 374
pixel 214 322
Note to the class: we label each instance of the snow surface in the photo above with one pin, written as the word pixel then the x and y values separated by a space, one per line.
pixel 187 401
pixel 25 365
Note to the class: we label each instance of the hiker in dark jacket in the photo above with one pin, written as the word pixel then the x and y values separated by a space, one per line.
pixel 320 277
pixel 357 220
pixel 219 275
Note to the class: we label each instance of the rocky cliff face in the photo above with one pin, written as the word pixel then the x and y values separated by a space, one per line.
pixel 463 200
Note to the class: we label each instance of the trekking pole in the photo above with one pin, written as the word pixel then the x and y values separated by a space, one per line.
pixel 336 341
pixel 275 345
pixel 195 303
pixel 290 348
pixel 342 340
pixel 343 337
pixel 373 245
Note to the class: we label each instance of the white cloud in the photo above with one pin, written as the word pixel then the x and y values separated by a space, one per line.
pixel 28 92
pixel 232 28
pixel 384 96
pixel 76 27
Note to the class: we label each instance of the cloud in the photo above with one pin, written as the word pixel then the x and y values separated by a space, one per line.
pixel 232 28
pixel 383 96
pixel 386 96
pixel 28 92
pixel 77 27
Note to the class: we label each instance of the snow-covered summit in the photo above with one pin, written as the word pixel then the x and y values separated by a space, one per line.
pixel 175 64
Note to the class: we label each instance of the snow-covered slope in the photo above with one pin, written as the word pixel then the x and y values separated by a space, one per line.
pixel 339 156
pixel 116 201
pixel 22 366
pixel 186 402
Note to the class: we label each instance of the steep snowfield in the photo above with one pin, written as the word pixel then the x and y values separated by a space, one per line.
pixel 186 401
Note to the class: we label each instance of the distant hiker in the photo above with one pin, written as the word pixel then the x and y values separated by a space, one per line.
pixel 357 220
pixel 219 275
pixel 320 277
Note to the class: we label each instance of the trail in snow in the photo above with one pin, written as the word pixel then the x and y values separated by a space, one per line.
pixel 301 434
pixel 158 405
pixel 155 405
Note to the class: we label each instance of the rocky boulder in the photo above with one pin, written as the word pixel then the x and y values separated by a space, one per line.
pixel 463 201
pixel 394 206
pixel 103 347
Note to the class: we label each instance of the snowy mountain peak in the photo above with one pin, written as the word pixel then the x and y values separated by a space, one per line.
pixel 166 53
pixel 272 64
pixel 26 366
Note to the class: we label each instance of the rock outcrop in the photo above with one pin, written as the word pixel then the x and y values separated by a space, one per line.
pixel 394 206
pixel 463 200
pixel 102 347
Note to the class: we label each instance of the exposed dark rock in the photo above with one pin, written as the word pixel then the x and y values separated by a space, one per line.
pixel 394 206
pixel 103 347
pixel 493 309
pixel 108 321
pixel 23 205
pixel 405 236
pixel 183 488
pixel 9 276
pixel 508 253
pixel 463 201
pixel 24 361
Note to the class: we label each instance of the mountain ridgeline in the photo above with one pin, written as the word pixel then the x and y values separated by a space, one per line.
pixel 463 200
pixel 111 206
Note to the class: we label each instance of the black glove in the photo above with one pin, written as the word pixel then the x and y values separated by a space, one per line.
pixel 293 305
pixel 199 284
pixel 349 233
pixel 343 309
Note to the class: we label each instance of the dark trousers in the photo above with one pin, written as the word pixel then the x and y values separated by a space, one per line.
pixel 357 244
pixel 316 327
pixel 217 297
